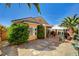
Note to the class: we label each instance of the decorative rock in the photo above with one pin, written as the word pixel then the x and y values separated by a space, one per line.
pixel 52 47
pixel 5 44
pixel 22 52
pixel 31 50
pixel 35 52
pixel 53 44
pixel 46 49
pixel 39 47
pixel 66 49
pixel 43 44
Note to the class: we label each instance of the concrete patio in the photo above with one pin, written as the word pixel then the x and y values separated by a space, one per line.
pixel 43 47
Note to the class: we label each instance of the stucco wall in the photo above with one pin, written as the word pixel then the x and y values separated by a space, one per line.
pixel 33 25
pixel 34 36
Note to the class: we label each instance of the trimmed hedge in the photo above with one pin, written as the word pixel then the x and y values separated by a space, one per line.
pixel 18 33
pixel 40 32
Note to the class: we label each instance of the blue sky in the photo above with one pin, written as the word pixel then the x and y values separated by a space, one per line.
pixel 53 13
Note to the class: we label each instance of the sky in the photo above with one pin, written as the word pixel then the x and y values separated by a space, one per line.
pixel 53 13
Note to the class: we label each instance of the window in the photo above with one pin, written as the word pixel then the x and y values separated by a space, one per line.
pixel 31 31
pixel 35 31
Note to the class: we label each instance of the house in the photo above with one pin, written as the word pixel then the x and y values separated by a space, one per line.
pixel 33 22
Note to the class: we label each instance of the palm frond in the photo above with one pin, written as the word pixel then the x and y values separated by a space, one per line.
pixel 29 5
pixel 75 16
pixel 76 19
pixel 37 6
pixel 71 22
pixel 8 5
pixel 69 19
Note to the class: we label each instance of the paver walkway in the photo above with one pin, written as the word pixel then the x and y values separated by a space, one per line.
pixel 43 47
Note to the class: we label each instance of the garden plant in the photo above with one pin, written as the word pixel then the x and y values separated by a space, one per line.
pixel 18 33
pixel 40 32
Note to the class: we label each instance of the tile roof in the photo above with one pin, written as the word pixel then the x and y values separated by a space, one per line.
pixel 38 20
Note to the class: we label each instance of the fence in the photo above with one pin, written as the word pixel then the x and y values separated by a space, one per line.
pixel 3 33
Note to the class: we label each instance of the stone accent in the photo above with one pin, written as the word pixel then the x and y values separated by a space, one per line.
pixel 52 47
pixel 36 52
pixel 39 48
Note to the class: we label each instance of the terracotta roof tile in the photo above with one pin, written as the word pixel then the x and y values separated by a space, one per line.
pixel 38 20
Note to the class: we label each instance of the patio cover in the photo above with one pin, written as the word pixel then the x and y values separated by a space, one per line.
pixel 58 27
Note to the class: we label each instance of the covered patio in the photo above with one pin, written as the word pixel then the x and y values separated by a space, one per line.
pixel 59 31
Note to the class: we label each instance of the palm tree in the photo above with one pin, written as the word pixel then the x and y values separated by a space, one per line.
pixel 70 22
pixel 29 5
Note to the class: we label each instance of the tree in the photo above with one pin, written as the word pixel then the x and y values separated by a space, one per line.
pixel 70 22
pixel 29 5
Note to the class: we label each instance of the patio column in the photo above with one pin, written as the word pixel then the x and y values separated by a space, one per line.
pixel 45 32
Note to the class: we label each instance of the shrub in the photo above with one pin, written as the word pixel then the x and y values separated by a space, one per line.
pixel 18 33
pixel 40 32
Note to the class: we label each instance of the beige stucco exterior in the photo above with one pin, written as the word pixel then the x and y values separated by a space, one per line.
pixel 34 36
pixel 33 22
